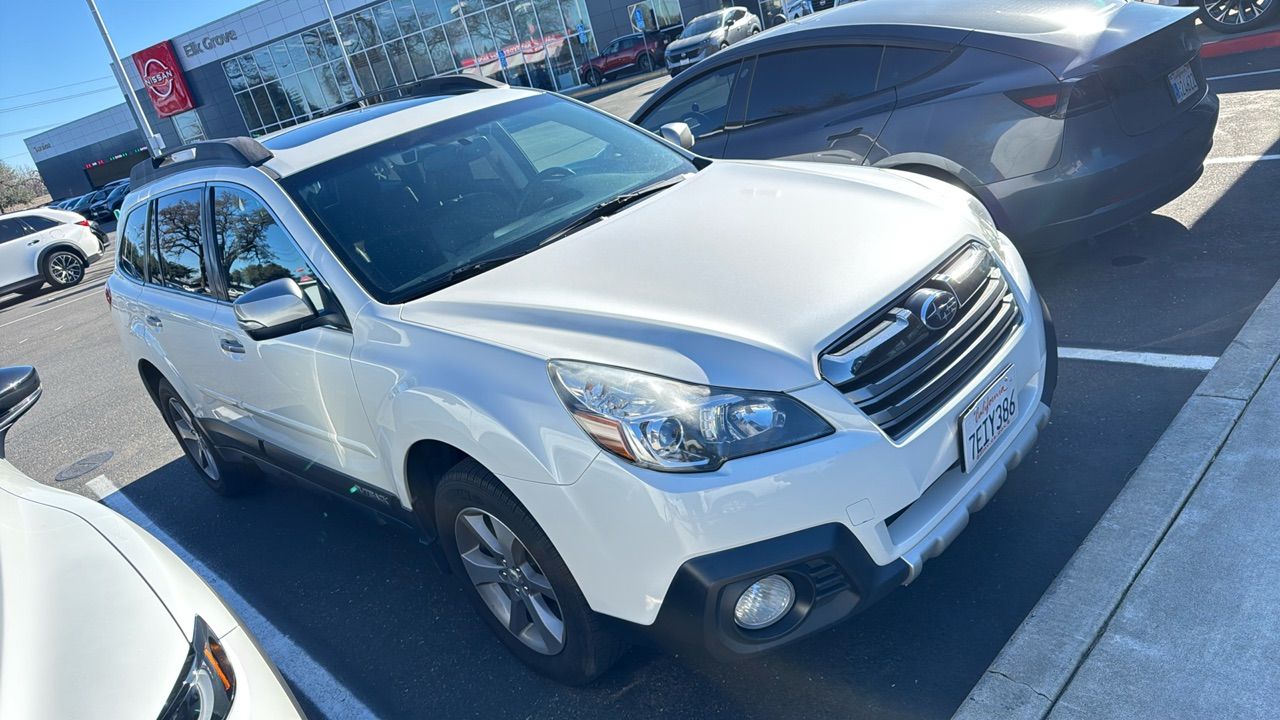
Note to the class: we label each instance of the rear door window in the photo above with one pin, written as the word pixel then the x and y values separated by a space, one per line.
pixel 36 223
pixel 794 82
pixel 180 244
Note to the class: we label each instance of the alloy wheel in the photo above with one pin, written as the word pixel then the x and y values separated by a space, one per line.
pixel 192 441
pixel 65 268
pixel 509 581
pixel 1236 12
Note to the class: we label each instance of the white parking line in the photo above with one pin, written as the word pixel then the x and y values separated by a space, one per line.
pixel 1202 363
pixel 1243 74
pixel 1241 159
pixel 55 307
pixel 308 677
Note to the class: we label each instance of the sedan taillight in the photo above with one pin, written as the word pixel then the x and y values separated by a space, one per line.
pixel 1065 99
pixel 83 223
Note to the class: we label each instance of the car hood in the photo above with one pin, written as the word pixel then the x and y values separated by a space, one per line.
pixel 739 276
pixel 81 633
pixel 683 44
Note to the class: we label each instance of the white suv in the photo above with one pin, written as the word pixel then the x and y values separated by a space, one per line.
pixel 46 246
pixel 629 391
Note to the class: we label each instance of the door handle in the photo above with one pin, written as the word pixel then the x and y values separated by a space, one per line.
pixel 154 322
pixel 231 346
pixel 34 242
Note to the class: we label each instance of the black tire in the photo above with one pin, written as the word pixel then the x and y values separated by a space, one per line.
pixel 62 268
pixel 594 78
pixel 590 646
pixel 224 478
pixel 646 63
pixel 1266 10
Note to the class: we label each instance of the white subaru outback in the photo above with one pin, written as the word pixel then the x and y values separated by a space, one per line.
pixel 629 392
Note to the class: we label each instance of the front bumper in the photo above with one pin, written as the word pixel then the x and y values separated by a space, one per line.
pixel 832 573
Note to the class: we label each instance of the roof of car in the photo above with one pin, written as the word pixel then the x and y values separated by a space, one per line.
pixel 319 140
pixel 1014 17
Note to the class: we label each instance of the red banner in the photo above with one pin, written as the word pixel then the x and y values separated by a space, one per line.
pixel 163 79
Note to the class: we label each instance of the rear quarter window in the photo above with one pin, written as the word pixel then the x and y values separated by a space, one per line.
pixel 132 240
pixel 903 64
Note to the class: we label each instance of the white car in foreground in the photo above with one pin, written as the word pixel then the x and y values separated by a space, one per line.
pixel 724 404
pixel 100 620
pixel 46 245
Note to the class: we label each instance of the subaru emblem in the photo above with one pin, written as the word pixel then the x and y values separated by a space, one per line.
pixel 936 308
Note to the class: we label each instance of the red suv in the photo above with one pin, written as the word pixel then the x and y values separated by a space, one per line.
pixel 638 52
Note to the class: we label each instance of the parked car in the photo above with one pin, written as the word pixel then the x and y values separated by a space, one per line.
pixel 104 210
pixel 792 428
pixel 1235 16
pixel 82 203
pixel 1064 119
pixel 641 53
pixel 46 246
pixel 708 34
pixel 91 599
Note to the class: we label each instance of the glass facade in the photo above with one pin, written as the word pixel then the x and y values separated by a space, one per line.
pixel 532 43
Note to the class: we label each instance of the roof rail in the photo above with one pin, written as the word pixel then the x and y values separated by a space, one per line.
pixel 240 152
pixel 454 84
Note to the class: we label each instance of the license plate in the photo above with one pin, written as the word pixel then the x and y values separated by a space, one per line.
pixel 1183 82
pixel 987 419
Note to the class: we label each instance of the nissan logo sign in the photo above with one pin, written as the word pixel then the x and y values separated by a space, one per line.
pixel 157 78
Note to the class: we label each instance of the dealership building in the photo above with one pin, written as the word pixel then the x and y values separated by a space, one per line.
pixel 280 62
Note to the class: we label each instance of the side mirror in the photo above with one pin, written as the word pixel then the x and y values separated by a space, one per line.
pixel 19 391
pixel 678 133
pixel 274 309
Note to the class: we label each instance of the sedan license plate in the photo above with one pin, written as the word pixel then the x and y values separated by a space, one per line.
pixel 1183 82
pixel 987 419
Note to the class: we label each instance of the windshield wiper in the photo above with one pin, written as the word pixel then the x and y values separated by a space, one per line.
pixel 471 269
pixel 609 207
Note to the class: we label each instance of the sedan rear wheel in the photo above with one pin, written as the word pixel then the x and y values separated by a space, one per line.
pixel 1233 16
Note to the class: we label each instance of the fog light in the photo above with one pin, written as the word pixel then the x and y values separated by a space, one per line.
pixel 764 603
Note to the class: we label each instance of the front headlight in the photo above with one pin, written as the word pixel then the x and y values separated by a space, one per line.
pixel 674 426
pixel 207 686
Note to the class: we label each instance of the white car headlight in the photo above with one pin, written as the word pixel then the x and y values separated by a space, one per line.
pixel 674 426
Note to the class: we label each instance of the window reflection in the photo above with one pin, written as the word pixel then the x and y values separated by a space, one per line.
pixel 534 43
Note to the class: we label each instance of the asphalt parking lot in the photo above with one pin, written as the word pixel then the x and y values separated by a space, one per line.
pixel 363 625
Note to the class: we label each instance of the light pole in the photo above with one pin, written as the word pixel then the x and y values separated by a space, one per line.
pixel 154 142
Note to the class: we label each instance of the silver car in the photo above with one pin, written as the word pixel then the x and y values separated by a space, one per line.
pixel 708 34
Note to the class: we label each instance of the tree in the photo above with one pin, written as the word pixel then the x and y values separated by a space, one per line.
pixel 18 186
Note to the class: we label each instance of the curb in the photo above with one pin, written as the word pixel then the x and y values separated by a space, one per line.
pixel 1036 665
pixel 1245 43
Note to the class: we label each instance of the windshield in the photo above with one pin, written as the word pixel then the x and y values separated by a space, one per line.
pixel 704 24
pixel 404 214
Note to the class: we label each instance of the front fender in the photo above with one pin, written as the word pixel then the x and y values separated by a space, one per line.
pixel 498 407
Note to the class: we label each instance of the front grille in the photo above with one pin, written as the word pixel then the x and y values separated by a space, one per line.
pixel 902 364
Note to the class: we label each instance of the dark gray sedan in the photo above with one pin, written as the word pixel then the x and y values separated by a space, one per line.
pixel 1065 117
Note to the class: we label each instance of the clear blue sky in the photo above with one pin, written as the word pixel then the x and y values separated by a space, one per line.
pixel 54 43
